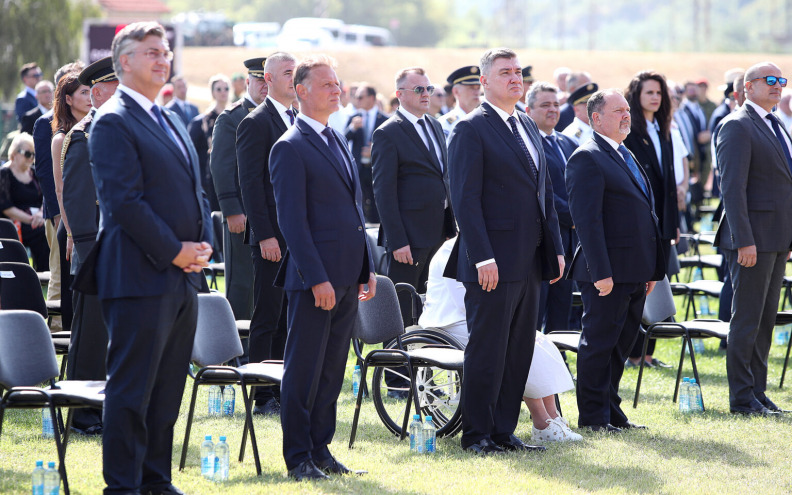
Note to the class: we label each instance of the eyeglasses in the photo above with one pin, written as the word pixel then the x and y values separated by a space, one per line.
pixel 420 89
pixel 772 80
pixel 154 54
pixel 221 89
pixel 35 75
pixel 27 154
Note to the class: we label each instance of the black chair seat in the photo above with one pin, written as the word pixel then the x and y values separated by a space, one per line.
pixel 73 393
pixel 53 307
pixel 565 340
pixel 783 318
pixel 262 372
pixel 709 287
pixel 438 356
pixel 44 278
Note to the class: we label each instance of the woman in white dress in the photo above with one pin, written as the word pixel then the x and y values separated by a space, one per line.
pixel 444 310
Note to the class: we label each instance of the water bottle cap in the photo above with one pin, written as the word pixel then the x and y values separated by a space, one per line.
pixel 39 463
pixel 222 439
pixel 208 437
pixel 357 366
pixel 692 380
pixel 428 418
pixel 417 416
pixel 51 464
pixel 686 379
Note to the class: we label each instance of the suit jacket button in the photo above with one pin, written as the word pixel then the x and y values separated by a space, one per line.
pixel 360 229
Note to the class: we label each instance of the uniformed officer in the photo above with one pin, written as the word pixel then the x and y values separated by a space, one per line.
pixel 466 87
pixel 528 80
pixel 223 163
pixel 86 359
pixel 580 130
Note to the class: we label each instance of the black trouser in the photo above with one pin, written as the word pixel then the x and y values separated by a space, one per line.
pixel 66 280
pixel 87 351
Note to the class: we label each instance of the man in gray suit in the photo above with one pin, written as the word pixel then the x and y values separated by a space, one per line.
pixel 755 157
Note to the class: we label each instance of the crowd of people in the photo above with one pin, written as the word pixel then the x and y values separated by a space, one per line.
pixel 495 194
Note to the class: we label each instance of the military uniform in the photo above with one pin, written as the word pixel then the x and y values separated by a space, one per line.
pixel 223 163
pixel 579 130
pixel 449 120
pixel 466 76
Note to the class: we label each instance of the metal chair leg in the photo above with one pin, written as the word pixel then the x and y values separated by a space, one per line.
pixel 786 362
pixel 679 368
pixel 695 370
pixel 247 398
pixel 190 415
pixel 358 402
pixel 641 368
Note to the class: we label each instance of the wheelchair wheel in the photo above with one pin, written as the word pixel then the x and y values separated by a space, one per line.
pixel 439 390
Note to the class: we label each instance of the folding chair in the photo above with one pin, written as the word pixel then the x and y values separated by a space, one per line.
pixel 216 343
pixel 27 359
pixel 12 250
pixel 8 230
pixel 784 318
pixel 437 393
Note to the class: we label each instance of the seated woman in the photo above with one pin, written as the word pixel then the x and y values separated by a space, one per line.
pixel 445 310
pixel 21 198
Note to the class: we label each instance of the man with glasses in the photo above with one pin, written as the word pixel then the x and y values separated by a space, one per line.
pixel 410 167
pixel 755 160
pixel 45 92
pixel 26 99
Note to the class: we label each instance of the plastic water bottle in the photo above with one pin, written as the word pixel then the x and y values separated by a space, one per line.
pixel 697 275
pixel 47 430
pixel 696 405
pixel 416 435
pixel 782 335
pixel 704 309
pixel 38 479
pixel 229 400
pixel 429 436
pixel 207 458
pixel 51 480
pixel 684 396
pixel 215 398
pixel 698 346
pixel 222 459
pixel 356 381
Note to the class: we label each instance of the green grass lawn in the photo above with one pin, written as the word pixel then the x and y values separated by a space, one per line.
pixel 711 453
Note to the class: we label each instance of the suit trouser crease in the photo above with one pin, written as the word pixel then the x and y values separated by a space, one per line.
pixel 87 351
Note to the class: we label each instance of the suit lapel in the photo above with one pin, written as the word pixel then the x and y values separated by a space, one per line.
pixel 324 150
pixel 502 129
pixel 437 130
pixel 606 147
pixel 522 117
pixel 185 139
pixel 275 116
pixel 770 135
pixel 409 129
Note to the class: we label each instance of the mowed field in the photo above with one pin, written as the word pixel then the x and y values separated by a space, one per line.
pixel 379 65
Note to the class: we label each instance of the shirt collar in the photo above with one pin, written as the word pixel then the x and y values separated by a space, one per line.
pixel 610 141
pixel 314 124
pixel 278 105
pixel 761 111
pixel 652 124
pixel 407 115
pixel 139 98
pixel 544 134
pixel 30 91
pixel 502 114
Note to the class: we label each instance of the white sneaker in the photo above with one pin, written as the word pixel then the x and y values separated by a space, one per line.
pixel 553 433
pixel 571 436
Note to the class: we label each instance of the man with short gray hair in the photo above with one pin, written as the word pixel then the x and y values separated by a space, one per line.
pixel 508 242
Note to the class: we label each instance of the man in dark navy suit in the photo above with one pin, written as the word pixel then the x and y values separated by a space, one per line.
pixel 256 134
pixel 324 271
pixel 542 106
pixel 359 133
pixel 508 242
pixel 153 242
pixel 179 104
pixel 620 254
pixel 26 99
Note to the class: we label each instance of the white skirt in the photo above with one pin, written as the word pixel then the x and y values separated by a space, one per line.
pixel 549 375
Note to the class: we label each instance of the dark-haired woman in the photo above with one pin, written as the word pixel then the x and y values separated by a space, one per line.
pixel 650 142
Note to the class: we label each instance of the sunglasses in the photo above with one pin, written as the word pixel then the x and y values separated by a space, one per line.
pixel 420 89
pixel 772 80
pixel 27 154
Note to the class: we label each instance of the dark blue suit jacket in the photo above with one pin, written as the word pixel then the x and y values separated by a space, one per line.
pixel 150 197
pixel 498 204
pixel 556 169
pixel 614 218
pixel 42 141
pixel 190 111
pixel 319 212
pixel 566 114
pixel 24 102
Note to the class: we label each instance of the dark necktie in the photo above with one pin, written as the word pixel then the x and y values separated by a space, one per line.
pixel 781 140
pixel 429 143
pixel 531 165
pixel 633 167
pixel 552 143
pixel 335 149
pixel 290 113
pixel 513 124
pixel 165 127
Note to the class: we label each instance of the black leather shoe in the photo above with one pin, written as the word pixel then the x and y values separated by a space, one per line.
pixel 659 364
pixel 606 428
pixel 269 408
pixel 515 444
pixel 332 466
pixel 753 408
pixel 91 431
pixel 629 425
pixel 771 405
pixel 162 490
pixel 307 470
pixel 484 447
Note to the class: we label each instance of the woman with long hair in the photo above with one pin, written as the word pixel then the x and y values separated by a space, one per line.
pixel 650 142
pixel 201 128
pixel 72 104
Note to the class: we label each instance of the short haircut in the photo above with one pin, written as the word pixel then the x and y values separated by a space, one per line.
pixel 46 83
pixel 367 89
pixel 23 72
pixel 277 58
pixel 304 68
pixel 573 80
pixel 403 73
pixel 755 71
pixel 19 140
pixel 126 40
pixel 597 101
pixel 536 88
pixel 485 64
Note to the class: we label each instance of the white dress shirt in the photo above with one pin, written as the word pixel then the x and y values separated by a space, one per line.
pixel 420 130
pixel 318 127
pixel 281 111
pixel 763 115
pixel 148 105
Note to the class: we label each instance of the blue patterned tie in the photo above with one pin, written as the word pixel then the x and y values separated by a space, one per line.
pixel 290 113
pixel 336 150
pixel 158 113
pixel 780 137
pixel 633 168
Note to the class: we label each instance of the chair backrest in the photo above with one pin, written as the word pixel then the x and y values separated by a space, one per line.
pixel 20 288
pixel 659 304
pixel 379 319
pixel 27 355
pixel 13 251
pixel 8 230
pixel 216 337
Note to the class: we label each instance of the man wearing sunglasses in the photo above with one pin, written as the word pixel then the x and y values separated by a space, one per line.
pixel 26 99
pixel 410 168
pixel 754 154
